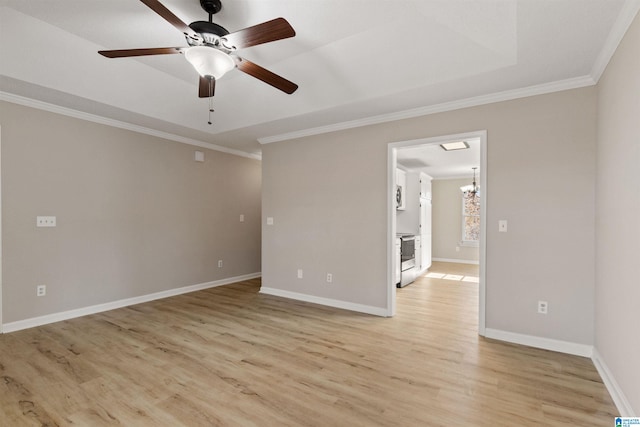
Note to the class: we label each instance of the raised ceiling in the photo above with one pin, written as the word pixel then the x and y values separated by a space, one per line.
pixel 354 60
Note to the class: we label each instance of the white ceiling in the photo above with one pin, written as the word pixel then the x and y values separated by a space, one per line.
pixel 353 59
pixel 440 164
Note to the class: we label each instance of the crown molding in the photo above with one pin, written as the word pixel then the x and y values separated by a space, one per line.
pixel 40 105
pixel 627 14
pixel 573 83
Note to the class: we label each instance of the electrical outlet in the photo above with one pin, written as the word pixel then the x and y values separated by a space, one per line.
pixel 299 273
pixel 45 221
pixel 329 277
pixel 219 263
pixel 543 307
pixel 41 290
pixel 241 218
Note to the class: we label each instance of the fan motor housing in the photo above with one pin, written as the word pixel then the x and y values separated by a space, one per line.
pixel 210 32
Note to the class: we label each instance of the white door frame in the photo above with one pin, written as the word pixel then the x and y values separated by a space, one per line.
pixel 391 224
pixel 0 230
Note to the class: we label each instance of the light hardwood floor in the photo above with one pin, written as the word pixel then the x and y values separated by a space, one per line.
pixel 230 356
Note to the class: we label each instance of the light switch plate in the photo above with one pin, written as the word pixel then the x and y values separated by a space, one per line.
pixel 269 220
pixel 502 226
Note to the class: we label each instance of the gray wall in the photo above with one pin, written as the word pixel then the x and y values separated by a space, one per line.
pixel 447 221
pixel 328 194
pixel 617 216
pixel 328 217
pixel 135 214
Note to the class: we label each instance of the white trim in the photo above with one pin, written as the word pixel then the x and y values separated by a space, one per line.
pixel 540 342
pixel 482 250
pixel 619 399
pixel 360 308
pixel 0 230
pixel 85 311
pixel 459 261
pixel 628 12
pixel 40 105
pixel 508 95
pixel 392 163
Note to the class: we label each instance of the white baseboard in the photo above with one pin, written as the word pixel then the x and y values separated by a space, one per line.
pixel 361 308
pixel 620 400
pixel 539 342
pixel 85 311
pixel 459 261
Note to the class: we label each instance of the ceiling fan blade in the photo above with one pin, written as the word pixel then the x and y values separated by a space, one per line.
pixel 270 31
pixel 266 76
pixel 207 87
pixel 172 19
pixel 123 53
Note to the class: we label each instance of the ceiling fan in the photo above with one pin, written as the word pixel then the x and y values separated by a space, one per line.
pixel 212 48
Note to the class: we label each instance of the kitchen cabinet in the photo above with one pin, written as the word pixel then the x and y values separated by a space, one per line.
pixel 418 254
pixel 398 263
pixel 425 186
pixel 425 233
pixel 425 222
pixel 414 215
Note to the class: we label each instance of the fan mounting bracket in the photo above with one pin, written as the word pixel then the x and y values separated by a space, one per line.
pixel 211 6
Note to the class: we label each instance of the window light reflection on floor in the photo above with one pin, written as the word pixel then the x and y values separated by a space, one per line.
pixel 453 277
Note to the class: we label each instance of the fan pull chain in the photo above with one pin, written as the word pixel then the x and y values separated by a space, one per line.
pixel 210 100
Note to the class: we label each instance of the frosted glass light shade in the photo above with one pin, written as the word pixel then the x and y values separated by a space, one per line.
pixel 209 61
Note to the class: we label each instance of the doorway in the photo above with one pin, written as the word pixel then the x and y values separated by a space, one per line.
pixel 392 166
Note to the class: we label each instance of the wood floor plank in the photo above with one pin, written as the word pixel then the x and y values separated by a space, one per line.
pixel 230 356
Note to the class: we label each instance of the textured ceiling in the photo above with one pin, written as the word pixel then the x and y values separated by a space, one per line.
pixel 353 59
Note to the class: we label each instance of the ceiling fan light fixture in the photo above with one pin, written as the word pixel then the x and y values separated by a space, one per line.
pixel 209 61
